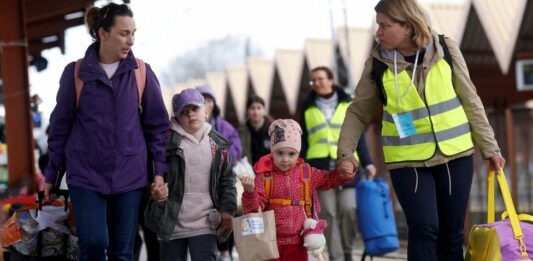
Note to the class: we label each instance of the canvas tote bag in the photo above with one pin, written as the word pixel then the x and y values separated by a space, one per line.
pixel 508 239
pixel 255 236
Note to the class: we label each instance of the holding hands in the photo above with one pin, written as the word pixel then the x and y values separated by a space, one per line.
pixel 159 189
pixel 347 169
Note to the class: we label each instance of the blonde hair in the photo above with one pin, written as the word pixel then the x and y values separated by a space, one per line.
pixel 408 12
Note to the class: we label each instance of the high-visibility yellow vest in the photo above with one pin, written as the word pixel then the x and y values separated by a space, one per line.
pixel 323 135
pixel 440 121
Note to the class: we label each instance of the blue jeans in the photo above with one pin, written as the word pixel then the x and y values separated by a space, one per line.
pixel 434 201
pixel 105 224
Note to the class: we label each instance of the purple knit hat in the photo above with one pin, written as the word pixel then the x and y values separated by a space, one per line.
pixel 186 97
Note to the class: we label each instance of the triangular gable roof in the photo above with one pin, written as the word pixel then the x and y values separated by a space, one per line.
pixel 319 52
pixel 238 81
pixel 441 14
pixel 218 82
pixel 501 20
pixel 359 41
pixel 261 73
pixel 289 64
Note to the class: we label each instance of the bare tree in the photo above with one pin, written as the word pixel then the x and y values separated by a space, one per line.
pixel 214 56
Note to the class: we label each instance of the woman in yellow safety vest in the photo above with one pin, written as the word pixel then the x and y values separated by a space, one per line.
pixel 430 113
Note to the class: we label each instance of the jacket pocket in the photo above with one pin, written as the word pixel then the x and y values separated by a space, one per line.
pixel 156 216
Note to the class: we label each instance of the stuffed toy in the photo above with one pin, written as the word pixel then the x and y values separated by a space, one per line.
pixel 314 239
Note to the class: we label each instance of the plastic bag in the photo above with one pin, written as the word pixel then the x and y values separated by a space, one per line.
pixel 243 168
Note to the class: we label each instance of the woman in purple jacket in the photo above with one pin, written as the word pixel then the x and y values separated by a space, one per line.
pixel 103 138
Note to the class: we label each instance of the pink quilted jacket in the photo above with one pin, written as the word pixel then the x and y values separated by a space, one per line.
pixel 287 185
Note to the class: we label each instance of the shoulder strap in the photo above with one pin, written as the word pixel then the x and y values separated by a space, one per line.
pixel 267 179
pixel 77 81
pixel 378 69
pixel 447 55
pixel 140 77
pixel 305 172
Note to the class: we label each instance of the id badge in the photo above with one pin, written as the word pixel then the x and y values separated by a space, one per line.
pixel 404 124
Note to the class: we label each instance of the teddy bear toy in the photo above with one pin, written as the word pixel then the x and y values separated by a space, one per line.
pixel 314 239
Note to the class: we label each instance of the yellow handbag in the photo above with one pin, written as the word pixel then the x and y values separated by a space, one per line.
pixel 508 239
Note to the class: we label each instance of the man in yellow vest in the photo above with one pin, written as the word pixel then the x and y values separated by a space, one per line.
pixel 322 115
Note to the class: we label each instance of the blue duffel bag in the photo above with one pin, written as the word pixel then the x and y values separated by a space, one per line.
pixel 376 217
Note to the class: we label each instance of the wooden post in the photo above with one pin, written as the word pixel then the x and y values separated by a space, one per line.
pixel 14 49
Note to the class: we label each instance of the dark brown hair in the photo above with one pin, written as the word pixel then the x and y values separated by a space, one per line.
pixel 328 71
pixel 105 17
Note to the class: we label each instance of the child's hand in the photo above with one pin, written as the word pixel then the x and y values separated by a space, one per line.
pixel 347 169
pixel 248 183
pixel 225 222
pixel 159 189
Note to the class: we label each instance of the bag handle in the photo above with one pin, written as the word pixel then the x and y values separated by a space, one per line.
pixel 513 217
pixel 521 217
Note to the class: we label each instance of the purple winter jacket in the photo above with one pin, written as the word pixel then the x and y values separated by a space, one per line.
pixel 103 143
pixel 226 129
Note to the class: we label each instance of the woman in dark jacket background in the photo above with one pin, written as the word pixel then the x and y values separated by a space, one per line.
pixel 254 133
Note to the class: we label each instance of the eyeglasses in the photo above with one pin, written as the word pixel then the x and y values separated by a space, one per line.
pixel 312 82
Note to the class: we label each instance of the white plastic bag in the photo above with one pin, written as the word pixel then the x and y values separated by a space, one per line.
pixel 243 168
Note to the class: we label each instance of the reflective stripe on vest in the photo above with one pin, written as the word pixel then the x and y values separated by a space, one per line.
pixel 323 135
pixel 442 122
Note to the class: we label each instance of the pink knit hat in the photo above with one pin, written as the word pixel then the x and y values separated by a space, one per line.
pixel 285 133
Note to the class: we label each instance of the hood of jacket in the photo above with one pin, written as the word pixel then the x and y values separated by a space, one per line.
pixel 266 164
pixel 175 126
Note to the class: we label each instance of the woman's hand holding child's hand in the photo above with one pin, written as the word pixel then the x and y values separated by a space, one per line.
pixel 346 170
pixel 248 183
pixel 159 189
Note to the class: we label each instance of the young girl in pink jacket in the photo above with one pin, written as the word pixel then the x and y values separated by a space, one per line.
pixel 286 175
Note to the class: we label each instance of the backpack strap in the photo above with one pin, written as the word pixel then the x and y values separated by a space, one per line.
pixel 140 77
pixel 305 174
pixel 447 54
pixel 267 179
pixel 77 81
pixel 378 69
pixel 305 178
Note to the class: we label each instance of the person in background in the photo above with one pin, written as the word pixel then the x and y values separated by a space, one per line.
pixel 103 139
pixel 322 115
pixel 219 124
pixel 286 172
pixel 431 111
pixel 254 133
pixel 202 197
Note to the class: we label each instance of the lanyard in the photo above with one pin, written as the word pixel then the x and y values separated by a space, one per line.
pixel 398 96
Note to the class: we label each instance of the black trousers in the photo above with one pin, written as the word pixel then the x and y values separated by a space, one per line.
pixel 150 238
pixel 434 201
